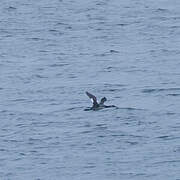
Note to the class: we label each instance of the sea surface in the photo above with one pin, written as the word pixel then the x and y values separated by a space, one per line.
pixel 52 51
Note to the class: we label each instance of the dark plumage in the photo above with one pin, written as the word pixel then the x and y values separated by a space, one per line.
pixel 96 105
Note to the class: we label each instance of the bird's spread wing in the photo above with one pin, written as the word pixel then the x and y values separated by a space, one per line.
pixel 103 100
pixel 92 97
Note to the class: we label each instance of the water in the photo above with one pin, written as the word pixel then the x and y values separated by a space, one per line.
pixel 51 52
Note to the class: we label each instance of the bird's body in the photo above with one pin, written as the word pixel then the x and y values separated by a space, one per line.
pixel 97 106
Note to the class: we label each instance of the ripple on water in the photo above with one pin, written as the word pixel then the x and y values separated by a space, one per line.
pixel 156 90
pixel 52 52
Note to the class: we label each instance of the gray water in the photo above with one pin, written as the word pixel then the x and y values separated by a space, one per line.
pixel 52 51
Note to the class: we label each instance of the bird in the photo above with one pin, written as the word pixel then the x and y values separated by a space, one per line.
pixel 97 106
